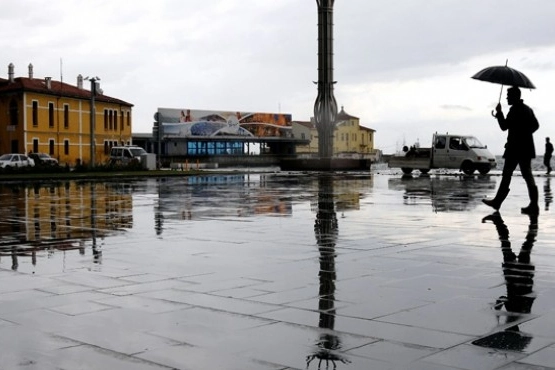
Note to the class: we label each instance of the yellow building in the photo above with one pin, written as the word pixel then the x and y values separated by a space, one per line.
pixel 350 139
pixel 54 117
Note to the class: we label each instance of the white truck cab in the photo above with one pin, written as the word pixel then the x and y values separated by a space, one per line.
pixel 463 152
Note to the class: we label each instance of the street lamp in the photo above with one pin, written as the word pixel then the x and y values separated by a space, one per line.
pixel 93 118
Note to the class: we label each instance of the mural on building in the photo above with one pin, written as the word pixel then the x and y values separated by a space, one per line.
pixel 208 123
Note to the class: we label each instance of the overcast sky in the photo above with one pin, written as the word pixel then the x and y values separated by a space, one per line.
pixel 402 66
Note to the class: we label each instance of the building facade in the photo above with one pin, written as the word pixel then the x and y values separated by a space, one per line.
pixel 54 117
pixel 223 136
pixel 350 139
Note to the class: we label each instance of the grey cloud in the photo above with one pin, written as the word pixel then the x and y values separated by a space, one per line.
pixel 381 37
pixel 455 107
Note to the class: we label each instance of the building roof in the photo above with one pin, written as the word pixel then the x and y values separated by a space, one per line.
pixel 57 88
pixel 344 116
pixel 310 125
pixel 306 124
pixel 142 135
pixel 363 128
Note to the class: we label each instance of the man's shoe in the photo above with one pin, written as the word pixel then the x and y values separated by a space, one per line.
pixel 532 209
pixel 492 203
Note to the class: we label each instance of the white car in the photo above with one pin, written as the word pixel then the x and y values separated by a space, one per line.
pixel 14 160
pixel 126 154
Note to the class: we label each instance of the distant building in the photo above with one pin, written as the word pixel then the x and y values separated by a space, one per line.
pixel 350 138
pixel 183 133
pixel 54 117
pixel 145 141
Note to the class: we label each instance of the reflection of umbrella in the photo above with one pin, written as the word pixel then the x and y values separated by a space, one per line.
pixel 510 339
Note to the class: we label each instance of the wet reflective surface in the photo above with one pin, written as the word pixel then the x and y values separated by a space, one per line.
pixel 276 271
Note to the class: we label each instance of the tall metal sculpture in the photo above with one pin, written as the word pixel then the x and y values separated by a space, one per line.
pixel 325 107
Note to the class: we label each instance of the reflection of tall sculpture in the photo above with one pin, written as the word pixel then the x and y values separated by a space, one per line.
pixel 325 229
pixel 325 107
pixel 519 279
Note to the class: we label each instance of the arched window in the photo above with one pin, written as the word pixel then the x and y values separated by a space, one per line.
pixel 14 113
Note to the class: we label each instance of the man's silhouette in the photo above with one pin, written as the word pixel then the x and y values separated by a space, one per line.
pixel 547 155
pixel 521 123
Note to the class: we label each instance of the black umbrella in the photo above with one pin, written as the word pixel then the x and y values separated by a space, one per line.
pixel 504 75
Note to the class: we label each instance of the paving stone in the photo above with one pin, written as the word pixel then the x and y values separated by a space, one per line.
pixel 543 357
pixel 270 271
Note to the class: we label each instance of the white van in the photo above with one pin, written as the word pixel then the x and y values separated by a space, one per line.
pixel 126 154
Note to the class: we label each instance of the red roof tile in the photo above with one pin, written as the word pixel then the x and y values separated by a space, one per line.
pixel 57 88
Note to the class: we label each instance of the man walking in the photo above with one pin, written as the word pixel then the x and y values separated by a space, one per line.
pixel 520 123
pixel 547 155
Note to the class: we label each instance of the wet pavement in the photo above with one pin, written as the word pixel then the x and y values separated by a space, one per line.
pixel 276 271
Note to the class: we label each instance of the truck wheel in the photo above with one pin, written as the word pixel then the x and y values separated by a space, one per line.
pixel 406 171
pixel 468 168
pixel 483 171
pixel 424 170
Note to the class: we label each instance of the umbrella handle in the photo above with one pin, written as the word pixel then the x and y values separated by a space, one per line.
pixel 499 101
pixel 501 92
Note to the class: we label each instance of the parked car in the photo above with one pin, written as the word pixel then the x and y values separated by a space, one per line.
pixel 14 160
pixel 43 159
pixel 126 154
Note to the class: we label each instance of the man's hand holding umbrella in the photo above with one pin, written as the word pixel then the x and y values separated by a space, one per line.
pixel 498 111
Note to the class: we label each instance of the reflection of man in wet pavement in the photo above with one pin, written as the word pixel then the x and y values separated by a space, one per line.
pixel 519 279
pixel 520 123
pixel 547 196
